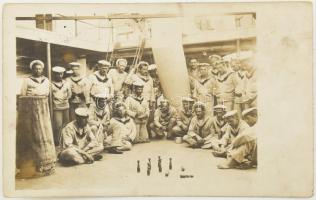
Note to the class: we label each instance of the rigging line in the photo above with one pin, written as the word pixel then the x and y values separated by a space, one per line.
pixel 111 38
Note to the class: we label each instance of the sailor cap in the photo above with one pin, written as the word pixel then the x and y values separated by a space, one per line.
pixel 38 62
pixel 152 67
pixel 74 64
pixel 138 83
pixel 121 60
pixel 101 96
pixel 104 62
pixel 249 110
pixel 189 99
pixel 220 106
pixel 230 113
pixel 58 69
pixel 82 112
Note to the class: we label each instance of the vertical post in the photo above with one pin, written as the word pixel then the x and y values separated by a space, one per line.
pixel 49 73
pixel 238 46
pixel 238 35
pixel 76 27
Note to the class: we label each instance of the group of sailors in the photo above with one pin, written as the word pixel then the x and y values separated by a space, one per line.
pixel 113 109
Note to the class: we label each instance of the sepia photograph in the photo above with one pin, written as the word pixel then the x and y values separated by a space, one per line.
pixel 137 100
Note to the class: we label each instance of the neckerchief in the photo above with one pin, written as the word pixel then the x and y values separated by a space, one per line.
pixel 121 120
pixel 240 75
pixel 100 116
pixel 78 132
pixel 214 73
pixel 249 75
pixel 75 81
pixel 225 78
pixel 100 79
pixel 145 79
pixel 205 80
pixel 200 127
pixel 187 114
pixel 219 124
pixel 139 100
pixel 59 87
pixel 233 131
pixel 35 80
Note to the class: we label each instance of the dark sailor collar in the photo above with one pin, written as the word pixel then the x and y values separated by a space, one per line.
pixel 250 75
pixel 187 114
pixel 59 87
pixel 219 123
pixel 241 76
pixel 236 131
pixel 201 123
pixel 204 81
pixel 143 78
pixel 225 77
pixel 138 99
pixel 100 116
pixel 99 78
pixel 124 120
pixel 37 81
pixel 214 73
pixel 75 81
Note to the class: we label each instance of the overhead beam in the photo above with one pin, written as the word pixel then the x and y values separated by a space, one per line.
pixel 129 16
pixel 121 16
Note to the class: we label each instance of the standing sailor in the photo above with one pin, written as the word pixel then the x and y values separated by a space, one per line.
pixel 204 88
pixel 142 75
pixel 37 84
pixel 100 82
pixel 61 93
pixel 79 88
pixel 251 83
pixel 240 90
pixel 118 75
pixel 225 85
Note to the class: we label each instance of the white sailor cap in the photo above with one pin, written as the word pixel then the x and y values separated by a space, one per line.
pixel 249 110
pixel 104 62
pixel 138 83
pixel 188 99
pixel 101 96
pixel 120 60
pixel 152 67
pixel 142 63
pixel 204 64
pixel 58 69
pixel 245 55
pixel 193 60
pixel 38 62
pixel 215 56
pixel 82 112
pixel 229 57
pixel 230 113
pixel 220 106
pixel 221 61
pixel 69 72
pixel 199 104
pixel 74 64
pixel 162 101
